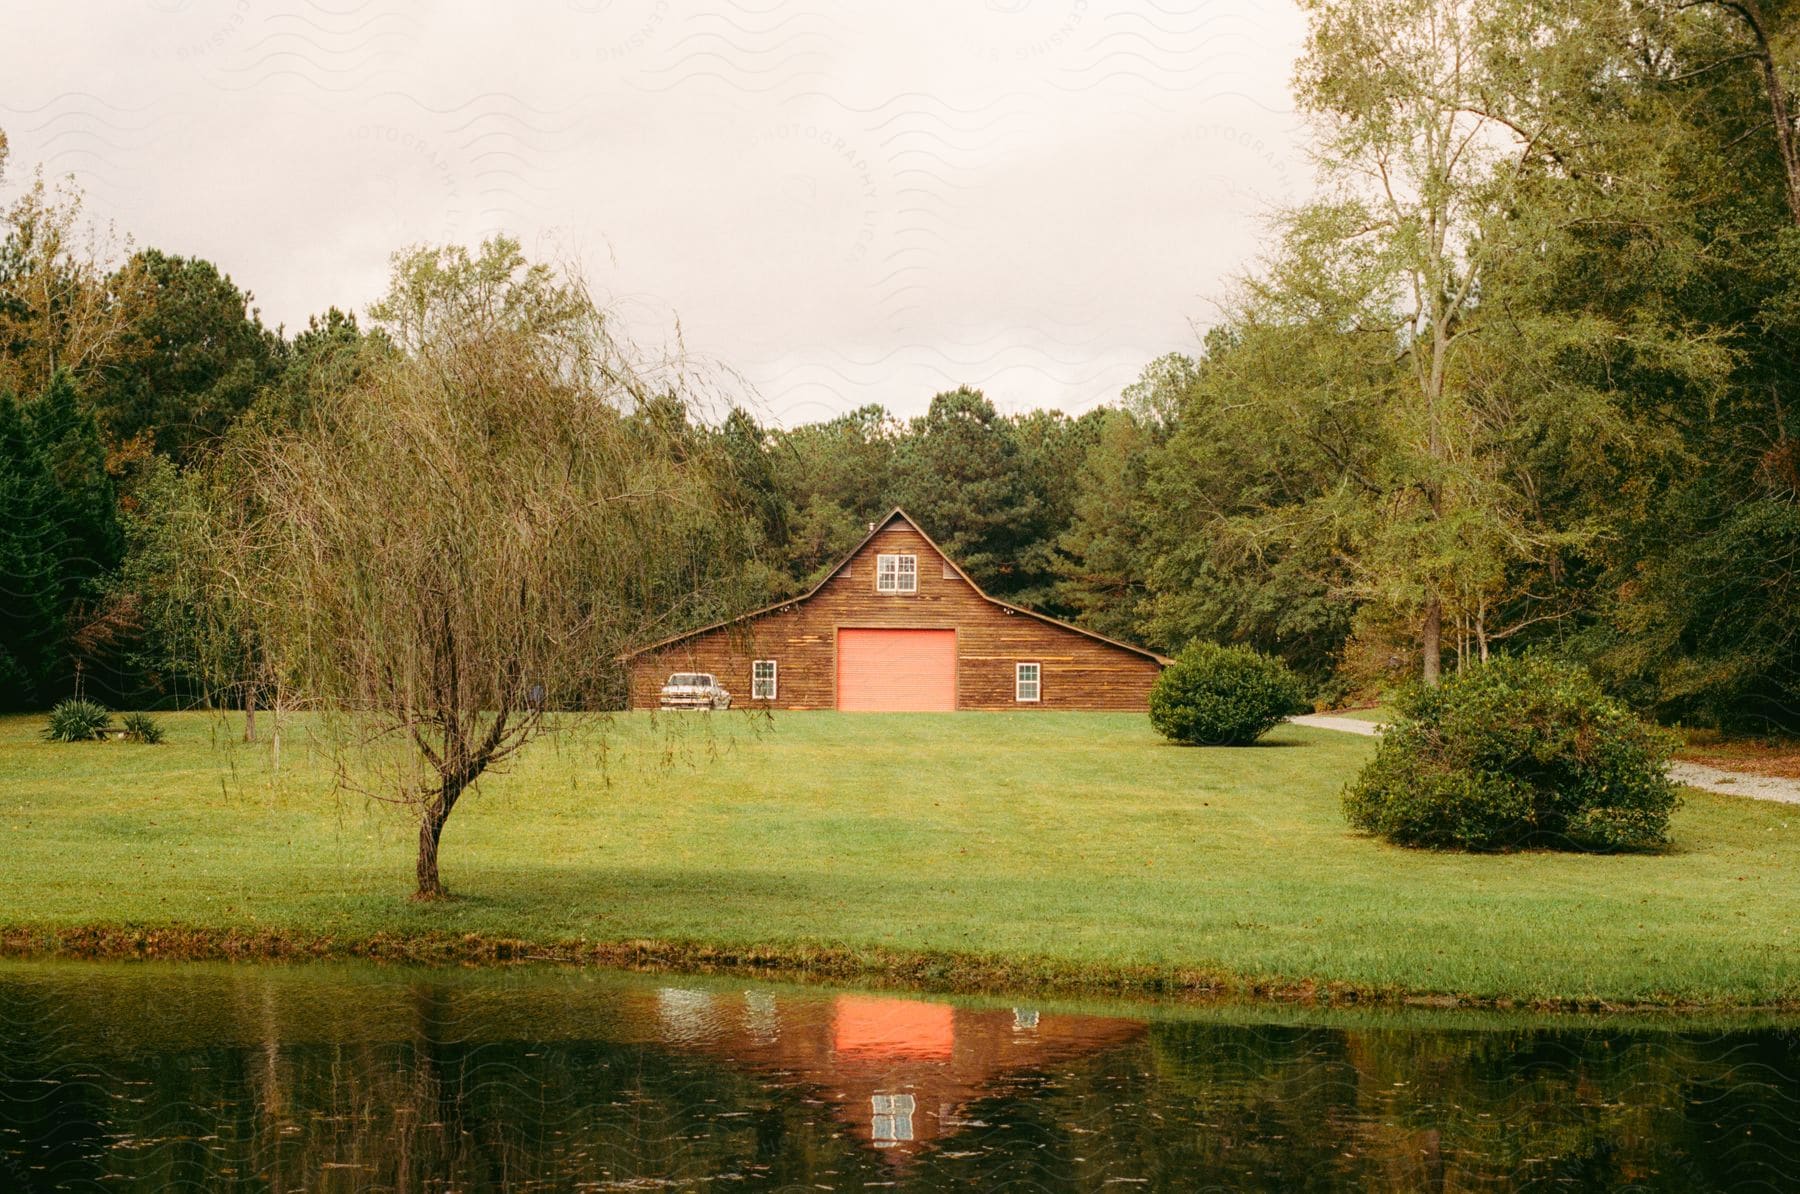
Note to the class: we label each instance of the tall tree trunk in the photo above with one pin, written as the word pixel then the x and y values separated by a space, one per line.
pixel 1432 639
pixel 1780 111
pixel 275 735
pixel 250 714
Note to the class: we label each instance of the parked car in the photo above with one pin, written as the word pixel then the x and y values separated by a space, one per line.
pixel 695 690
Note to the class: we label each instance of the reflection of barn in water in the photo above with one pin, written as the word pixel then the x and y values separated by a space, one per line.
pixel 901 1073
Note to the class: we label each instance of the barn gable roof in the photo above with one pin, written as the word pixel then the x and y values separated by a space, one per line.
pixel 875 530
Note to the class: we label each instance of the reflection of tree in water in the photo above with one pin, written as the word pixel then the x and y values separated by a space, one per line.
pixel 1304 1108
pixel 445 1111
pixel 459 1116
pixel 1194 1106
pixel 1227 1107
pixel 413 1083
pixel 1595 1109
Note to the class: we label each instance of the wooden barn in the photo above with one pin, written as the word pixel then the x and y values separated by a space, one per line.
pixel 899 627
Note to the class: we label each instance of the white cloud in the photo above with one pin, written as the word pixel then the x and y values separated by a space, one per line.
pixel 850 203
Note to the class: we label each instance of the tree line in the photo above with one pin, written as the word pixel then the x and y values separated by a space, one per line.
pixel 1519 377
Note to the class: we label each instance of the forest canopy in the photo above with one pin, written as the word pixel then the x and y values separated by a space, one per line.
pixel 1519 377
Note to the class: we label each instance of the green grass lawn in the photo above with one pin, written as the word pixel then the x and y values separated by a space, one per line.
pixel 1050 847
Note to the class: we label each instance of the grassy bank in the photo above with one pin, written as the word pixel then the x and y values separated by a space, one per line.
pixel 1068 850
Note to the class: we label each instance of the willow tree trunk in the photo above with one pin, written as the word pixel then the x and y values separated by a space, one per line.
pixel 1431 640
pixel 432 819
pixel 431 832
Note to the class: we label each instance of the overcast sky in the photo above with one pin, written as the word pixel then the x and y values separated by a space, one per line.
pixel 848 203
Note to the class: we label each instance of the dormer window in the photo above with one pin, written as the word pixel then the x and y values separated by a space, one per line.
pixel 896 574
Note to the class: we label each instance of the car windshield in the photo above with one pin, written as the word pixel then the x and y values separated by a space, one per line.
pixel 690 680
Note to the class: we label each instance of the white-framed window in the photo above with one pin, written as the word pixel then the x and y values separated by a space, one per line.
pixel 762 680
pixel 896 574
pixel 1027 681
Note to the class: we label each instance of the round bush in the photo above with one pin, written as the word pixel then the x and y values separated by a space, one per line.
pixel 1223 696
pixel 77 721
pixel 1516 753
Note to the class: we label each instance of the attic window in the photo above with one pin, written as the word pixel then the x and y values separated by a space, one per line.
pixel 896 574
pixel 950 572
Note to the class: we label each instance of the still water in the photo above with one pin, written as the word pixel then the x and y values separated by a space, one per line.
pixel 348 1078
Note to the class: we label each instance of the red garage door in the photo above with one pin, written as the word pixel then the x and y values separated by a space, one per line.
pixel 897 671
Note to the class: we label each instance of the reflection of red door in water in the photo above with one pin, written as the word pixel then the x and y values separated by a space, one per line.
pixel 897 671
pixel 893 1028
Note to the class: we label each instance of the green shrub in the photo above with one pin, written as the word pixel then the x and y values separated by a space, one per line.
pixel 1223 696
pixel 141 727
pixel 77 721
pixel 1516 753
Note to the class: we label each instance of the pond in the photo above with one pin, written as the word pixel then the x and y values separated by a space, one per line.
pixel 147 1076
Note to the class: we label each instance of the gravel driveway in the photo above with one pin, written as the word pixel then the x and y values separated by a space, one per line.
pixel 1694 775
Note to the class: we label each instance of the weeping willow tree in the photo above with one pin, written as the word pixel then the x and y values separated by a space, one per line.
pixel 471 534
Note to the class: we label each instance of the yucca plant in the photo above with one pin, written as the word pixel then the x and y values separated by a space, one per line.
pixel 141 727
pixel 77 720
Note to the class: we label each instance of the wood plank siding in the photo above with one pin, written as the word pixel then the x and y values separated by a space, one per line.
pixel 1079 670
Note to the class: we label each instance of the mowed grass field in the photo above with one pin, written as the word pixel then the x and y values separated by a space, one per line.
pixel 1048 847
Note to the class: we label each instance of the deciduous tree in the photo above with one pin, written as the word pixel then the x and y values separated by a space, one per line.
pixel 470 535
pixel 64 306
